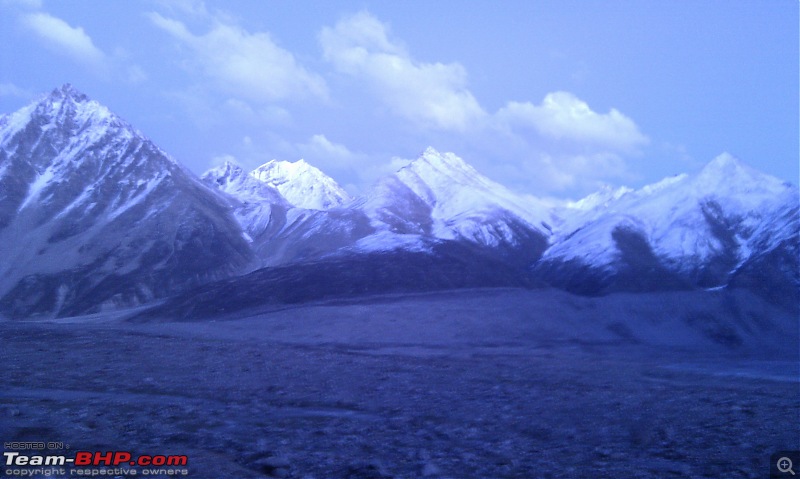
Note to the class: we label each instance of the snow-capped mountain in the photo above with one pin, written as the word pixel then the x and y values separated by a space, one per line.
pixel 435 198
pixel 257 206
pixel 231 178
pixel 302 185
pixel 439 196
pixel 454 190
pixel 684 230
pixel 280 231
pixel 93 214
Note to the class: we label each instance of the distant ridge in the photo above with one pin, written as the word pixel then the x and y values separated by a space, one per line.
pixel 94 216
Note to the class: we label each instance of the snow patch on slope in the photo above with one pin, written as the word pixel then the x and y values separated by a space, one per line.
pixel 38 185
pixel 138 197
pixel 13 123
pixel 388 241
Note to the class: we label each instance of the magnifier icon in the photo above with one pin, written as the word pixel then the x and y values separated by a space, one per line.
pixel 785 465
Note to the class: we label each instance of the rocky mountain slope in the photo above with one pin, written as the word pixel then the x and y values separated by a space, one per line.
pixel 682 232
pixel 93 215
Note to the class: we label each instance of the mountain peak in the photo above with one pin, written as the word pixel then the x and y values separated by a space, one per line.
pixel 232 179
pixel 430 151
pixel 49 105
pixel 434 167
pixel 66 104
pixel 68 91
pixel 728 173
pixel 298 167
pixel 302 184
pixel 81 187
pixel 453 188
pixel 439 160
pixel 724 162
pixel 228 169
pixel 275 171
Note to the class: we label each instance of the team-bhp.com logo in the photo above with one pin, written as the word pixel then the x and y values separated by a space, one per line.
pixel 86 458
pixel 88 463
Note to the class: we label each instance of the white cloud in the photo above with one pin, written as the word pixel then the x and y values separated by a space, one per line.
pixel 248 65
pixel 64 39
pixel 560 144
pixel 543 172
pixel 430 94
pixel 9 89
pixel 587 171
pixel 341 162
pixel 563 116
pixel 330 156
pixel 566 145
pixel 320 146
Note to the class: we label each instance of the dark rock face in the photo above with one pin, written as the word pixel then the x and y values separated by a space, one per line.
pixel 716 270
pixel 773 271
pixel 636 269
pixel 574 276
pixel 745 237
pixel 773 275
pixel 401 209
pixel 639 268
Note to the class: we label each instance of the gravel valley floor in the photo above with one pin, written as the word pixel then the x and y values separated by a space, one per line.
pixel 484 384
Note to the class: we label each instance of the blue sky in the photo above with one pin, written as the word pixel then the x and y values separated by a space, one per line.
pixel 551 98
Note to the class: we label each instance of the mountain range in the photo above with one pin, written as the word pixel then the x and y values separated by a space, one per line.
pixel 94 216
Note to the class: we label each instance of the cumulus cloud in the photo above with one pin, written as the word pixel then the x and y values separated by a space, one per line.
pixel 559 144
pixel 563 116
pixel 566 145
pixel 332 157
pixel 358 169
pixel 318 146
pixel 250 65
pixel 63 38
pixel 431 94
